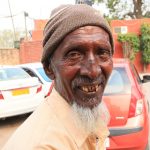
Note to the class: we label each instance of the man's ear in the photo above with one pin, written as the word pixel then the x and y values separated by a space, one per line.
pixel 49 72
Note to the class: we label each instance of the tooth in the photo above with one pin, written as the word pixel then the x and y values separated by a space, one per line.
pixel 86 89
pixel 96 89
pixel 92 88
pixel 83 88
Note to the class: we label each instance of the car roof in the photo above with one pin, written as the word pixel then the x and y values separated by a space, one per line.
pixel 9 66
pixel 32 65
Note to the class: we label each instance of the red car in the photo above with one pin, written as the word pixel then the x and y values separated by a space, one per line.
pixel 128 107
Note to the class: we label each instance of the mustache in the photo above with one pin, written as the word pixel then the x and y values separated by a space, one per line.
pixel 85 80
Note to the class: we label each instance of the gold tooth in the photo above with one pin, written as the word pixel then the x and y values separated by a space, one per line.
pixel 90 88
pixel 96 89
pixel 82 88
pixel 86 89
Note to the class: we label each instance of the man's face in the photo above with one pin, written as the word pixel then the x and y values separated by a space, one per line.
pixel 82 65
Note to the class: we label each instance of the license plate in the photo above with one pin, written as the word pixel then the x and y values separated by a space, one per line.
pixel 107 143
pixel 20 92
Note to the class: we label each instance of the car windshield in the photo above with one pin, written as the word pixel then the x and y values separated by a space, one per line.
pixel 118 83
pixel 12 73
pixel 42 73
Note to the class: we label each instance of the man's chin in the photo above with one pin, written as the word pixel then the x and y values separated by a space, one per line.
pixel 91 119
pixel 88 102
pixel 88 99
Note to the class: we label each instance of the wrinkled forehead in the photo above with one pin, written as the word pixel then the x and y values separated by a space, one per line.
pixel 88 31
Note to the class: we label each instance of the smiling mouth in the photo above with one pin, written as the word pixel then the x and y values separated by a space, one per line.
pixel 89 88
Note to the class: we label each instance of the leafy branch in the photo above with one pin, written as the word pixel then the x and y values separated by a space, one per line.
pixel 130 43
pixel 145 42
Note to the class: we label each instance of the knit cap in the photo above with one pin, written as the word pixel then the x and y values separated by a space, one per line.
pixel 65 19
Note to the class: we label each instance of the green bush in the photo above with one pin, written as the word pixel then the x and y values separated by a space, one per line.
pixel 130 43
pixel 145 42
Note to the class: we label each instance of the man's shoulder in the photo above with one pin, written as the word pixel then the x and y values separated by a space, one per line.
pixel 42 126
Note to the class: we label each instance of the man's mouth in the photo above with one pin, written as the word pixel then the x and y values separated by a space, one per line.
pixel 89 88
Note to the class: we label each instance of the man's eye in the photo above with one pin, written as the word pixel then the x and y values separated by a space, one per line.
pixel 74 55
pixel 104 55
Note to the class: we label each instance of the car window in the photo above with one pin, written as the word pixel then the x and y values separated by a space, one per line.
pixel 12 73
pixel 42 73
pixel 136 75
pixel 32 74
pixel 118 83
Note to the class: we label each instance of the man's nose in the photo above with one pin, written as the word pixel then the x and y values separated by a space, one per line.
pixel 91 68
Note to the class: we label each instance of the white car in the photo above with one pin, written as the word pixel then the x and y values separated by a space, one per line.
pixel 36 70
pixel 19 92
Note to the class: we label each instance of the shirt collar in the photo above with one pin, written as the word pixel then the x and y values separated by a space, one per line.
pixel 64 112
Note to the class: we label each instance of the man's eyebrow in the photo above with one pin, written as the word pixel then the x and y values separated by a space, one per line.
pixel 103 45
pixel 73 43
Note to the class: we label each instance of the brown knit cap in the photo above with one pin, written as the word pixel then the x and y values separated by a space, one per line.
pixel 66 19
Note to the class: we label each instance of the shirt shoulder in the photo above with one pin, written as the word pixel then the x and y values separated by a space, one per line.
pixel 42 129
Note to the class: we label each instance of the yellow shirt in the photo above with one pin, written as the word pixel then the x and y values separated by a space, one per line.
pixel 51 127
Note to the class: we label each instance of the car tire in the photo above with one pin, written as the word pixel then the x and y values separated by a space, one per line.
pixel 147 147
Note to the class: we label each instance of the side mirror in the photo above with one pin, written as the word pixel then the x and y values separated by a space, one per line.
pixel 146 78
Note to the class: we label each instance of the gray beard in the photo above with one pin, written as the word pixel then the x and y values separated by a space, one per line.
pixel 91 119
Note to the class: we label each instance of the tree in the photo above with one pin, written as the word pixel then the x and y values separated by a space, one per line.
pixel 145 43
pixel 7 40
pixel 130 44
pixel 120 9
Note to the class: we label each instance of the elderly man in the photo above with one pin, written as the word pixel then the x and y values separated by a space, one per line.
pixel 78 48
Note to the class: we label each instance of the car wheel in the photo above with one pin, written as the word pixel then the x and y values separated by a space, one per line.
pixel 147 147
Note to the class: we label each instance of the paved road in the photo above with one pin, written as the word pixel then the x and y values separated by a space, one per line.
pixel 8 126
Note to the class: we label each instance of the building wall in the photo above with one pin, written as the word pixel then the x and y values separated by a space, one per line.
pixel 39 24
pixel 9 56
pixel 133 26
pixel 37 33
pixel 30 51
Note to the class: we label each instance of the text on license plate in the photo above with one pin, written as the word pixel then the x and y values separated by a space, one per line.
pixel 20 92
